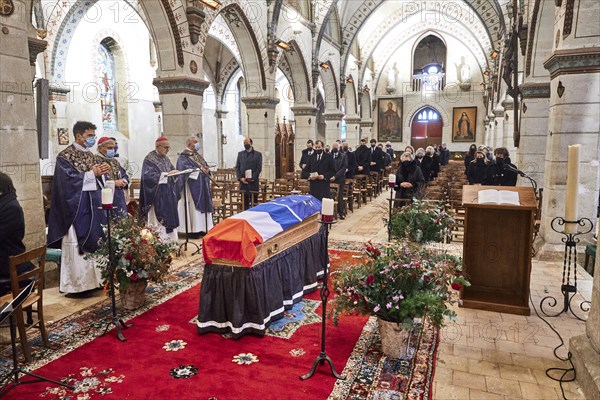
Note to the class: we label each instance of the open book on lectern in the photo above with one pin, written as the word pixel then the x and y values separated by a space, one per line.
pixel 493 196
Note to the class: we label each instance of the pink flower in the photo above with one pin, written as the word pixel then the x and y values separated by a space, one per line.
pixel 377 308
pixel 388 305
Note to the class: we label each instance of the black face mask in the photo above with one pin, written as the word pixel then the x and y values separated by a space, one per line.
pixel 247 146
pixel 334 151
pixel 372 144
pixel 388 145
pixel 309 148
pixel 479 161
pixel 319 151
pixel 363 143
pixel 406 163
pixel 500 161
pixel 419 157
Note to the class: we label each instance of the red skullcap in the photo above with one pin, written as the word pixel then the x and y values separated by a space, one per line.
pixel 104 139
pixel 162 139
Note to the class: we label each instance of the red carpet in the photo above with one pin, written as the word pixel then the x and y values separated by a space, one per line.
pixel 141 369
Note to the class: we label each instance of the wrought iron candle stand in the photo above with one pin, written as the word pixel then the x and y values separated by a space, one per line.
pixel 392 186
pixel 569 286
pixel 117 322
pixel 327 221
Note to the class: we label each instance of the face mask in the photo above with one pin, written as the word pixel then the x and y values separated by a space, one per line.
pixel 388 145
pixel 110 153
pixel 309 148
pixel 363 143
pixel 247 146
pixel 197 146
pixel 480 160
pixel 406 163
pixel 489 156
pixel 372 144
pixel 420 156
pixel 500 161
pixel 334 151
pixel 90 141
pixel 319 151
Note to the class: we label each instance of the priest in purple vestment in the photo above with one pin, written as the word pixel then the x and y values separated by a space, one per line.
pixel 159 193
pixel 76 217
pixel 199 199
pixel 116 174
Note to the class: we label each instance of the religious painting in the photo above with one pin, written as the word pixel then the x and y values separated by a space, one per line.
pixel 389 121
pixel 464 123
pixel 63 136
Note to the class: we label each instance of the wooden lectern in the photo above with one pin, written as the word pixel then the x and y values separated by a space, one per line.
pixel 497 251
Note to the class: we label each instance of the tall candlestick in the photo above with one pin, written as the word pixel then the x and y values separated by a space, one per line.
pixel 107 198
pixel 392 180
pixel 327 210
pixel 572 188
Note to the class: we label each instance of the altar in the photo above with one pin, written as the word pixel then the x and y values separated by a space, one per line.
pixel 259 263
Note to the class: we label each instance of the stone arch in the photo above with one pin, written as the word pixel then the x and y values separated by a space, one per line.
pixel 537 50
pixel 410 115
pixel 66 16
pixel 419 39
pixel 350 94
pixel 365 106
pixel 330 87
pixel 250 53
pixel 297 74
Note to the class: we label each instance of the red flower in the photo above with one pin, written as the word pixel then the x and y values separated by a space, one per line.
pixel 370 279
pixel 128 256
pixel 426 278
pixel 134 277
pixel 456 285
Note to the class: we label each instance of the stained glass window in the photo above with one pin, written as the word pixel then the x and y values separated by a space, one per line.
pixel 105 78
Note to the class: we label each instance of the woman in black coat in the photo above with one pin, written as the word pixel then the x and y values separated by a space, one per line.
pixel 470 156
pixel 409 178
pixel 12 228
pixel 424 162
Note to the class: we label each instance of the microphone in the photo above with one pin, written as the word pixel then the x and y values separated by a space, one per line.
pixel 508 167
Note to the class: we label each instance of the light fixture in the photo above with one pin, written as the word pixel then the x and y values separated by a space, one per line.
pixel 324 65
pixel 283 45
pixel 350 80
pixel 494 54
pixel 366 89
pixel 212 4
pixel 486 72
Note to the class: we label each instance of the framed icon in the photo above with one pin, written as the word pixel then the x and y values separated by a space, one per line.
pixel 389 121
pixel 464 124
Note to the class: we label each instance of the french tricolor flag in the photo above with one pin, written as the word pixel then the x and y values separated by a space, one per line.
pixel 236 237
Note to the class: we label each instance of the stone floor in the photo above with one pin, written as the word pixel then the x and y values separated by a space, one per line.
pixel 482 355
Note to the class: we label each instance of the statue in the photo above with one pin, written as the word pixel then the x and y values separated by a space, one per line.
pixel 391 79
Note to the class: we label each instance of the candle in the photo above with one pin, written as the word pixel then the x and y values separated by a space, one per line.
pixel 327 210
pixel 572 188
pixel 248 174
pixel 107 197
pixel 392 180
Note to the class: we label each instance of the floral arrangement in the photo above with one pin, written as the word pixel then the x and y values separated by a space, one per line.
pixel 399 283
pixel 422 221
pixel 138 253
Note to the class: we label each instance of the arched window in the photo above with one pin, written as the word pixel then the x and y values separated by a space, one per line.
pixel 105 78
pixel 429 58
pixel 427 114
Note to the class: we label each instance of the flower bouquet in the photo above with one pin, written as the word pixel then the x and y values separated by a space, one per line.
pixel 422 221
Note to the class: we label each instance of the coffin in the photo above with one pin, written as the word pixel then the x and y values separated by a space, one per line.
pixel 259 263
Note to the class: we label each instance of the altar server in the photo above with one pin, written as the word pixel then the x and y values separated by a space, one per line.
pixel 249 160
pixel 76 217
pixel 116 174
pixel 199 199
pixel 159 193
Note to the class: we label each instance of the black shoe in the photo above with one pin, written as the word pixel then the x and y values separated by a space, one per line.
pixel 342 216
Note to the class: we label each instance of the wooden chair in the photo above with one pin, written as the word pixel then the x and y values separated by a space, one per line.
pixel 34 300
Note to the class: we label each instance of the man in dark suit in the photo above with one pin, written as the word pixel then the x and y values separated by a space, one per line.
pixel 306 153
pixel 377 157
pixel 363 158
pixel 249 159
pixel 340 163
pixel 321 169
pixel 350 155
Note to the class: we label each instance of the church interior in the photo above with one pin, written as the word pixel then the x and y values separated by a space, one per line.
pixel 517 75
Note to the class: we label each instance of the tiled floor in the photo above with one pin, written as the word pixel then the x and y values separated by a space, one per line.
pixel 482 355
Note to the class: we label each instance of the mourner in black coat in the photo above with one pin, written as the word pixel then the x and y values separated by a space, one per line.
pixel 306 153
pixel 377 163
pixel 363 158
pixel 470 156
pixel 435 161
pixel 424 163
pixel 321 168
pixel 351 156
pixel 12 229
pixel 444 154
pixel 496 174
pixel 249 159
pixel 477 169
pixel 409 178
pixel 340 162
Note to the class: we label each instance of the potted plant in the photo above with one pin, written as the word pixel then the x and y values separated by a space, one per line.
pixel 398 283
pixel 422 222
pixel 138 255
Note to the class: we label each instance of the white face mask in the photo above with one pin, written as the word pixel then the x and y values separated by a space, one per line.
pixel 198 146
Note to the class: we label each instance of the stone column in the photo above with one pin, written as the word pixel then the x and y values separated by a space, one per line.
pixel 261 128
pixel 534 129
pixel 573 119
pixel 182 105
pixel 498 126
pixel 332 131
pixel 586 348
pixel 19 156
pixel 507 127
pixel 221 116
pixel 57 105
pixel 306 127
pixel 353 129
pixel 366 130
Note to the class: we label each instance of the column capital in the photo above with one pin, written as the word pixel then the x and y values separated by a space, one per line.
pixel 367 123
pixel 221 113
pixel 573 61
pixel 36 46
pixel 535 90
pixel 260 102
pixel 180 84
pixel 58 93
pixel 308 111
pixel 334 116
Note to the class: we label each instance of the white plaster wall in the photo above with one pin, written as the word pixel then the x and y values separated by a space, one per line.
pixel 210 144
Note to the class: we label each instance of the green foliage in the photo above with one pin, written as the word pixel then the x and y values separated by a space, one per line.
pixel 422 221
pixel 399 283
pixel 137 253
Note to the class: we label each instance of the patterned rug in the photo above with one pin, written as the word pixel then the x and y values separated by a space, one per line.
pixel 370 375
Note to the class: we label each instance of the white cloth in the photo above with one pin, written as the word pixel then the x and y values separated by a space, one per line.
pixel 197 220
pixel 153 220
pixel 76 273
